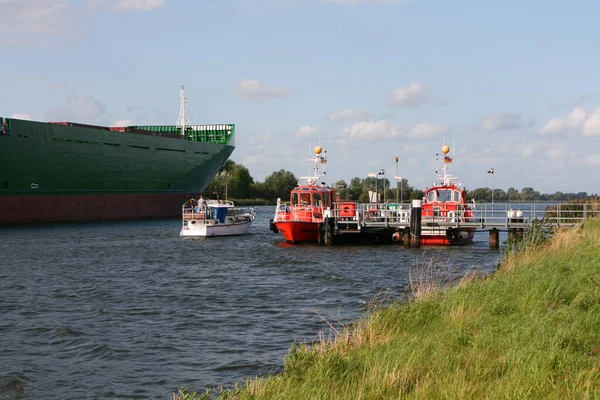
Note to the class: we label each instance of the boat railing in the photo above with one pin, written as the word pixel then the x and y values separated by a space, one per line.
pixel 444 217
pixel 285 212
pixel 192 210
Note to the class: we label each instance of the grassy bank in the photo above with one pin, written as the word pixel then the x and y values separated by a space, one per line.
pixel 531 330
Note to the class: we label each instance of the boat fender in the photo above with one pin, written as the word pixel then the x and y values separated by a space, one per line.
pixel 272 226
pixel 396 237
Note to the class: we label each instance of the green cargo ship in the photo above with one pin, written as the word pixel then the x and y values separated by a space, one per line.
pixel 55 172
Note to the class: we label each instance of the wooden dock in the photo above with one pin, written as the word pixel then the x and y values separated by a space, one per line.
pixel 347 222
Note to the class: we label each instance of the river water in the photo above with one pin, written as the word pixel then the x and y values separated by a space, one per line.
pixel 131 310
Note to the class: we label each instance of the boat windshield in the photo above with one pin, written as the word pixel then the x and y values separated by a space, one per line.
pixel 443 195
pixel 300 199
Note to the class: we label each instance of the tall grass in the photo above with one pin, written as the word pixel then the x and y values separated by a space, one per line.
pixel 530 331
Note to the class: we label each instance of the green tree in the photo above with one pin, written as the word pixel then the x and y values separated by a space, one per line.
pixel 279 184
pixel 354 189
pixel 258 190
pixel 232 180
pixel 416 194
pixel 500 195
pixel 513 194
pixel 528 194
pixel 481 194
pixel 342 189
pixel 240 182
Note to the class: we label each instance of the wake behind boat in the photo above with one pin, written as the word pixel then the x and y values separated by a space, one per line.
pixel 203 218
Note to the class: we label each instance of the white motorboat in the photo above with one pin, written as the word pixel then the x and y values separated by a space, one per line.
pixel 215 218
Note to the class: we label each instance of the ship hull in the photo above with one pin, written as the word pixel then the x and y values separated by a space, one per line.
pixel 55 173
pixel 43 209
pixel 298 231
pixel 449 237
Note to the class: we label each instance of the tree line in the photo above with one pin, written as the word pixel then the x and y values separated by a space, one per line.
pixel 235 182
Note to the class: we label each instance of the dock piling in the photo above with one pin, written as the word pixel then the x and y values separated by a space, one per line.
pixel 329 237
pixel 415 224
pixel 494 238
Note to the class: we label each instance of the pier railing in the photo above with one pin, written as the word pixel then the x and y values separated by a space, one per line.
pixel 557 215
pixel 483 216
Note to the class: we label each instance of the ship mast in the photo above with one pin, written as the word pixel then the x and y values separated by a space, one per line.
pixel 446 178
pixel 320 158
pixel 183 121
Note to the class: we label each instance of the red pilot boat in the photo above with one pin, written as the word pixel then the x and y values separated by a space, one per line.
pixel 444 208
pixel 299 221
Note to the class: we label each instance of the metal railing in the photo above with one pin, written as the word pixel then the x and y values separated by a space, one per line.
pixel 482 215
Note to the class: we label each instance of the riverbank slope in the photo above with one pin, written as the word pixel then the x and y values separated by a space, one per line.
pixel 531 330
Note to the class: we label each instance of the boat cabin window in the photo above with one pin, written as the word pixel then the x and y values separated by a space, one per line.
pixel 444 195
pixel 304 199
pixel 326 202
pixel 456 196
pixel 317 201
pixel 431 196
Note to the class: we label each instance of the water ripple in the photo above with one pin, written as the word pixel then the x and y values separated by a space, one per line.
pixel 131 311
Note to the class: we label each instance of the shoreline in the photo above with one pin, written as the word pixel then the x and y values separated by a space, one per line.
pixel 525 330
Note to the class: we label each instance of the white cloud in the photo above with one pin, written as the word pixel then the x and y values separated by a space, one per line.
pixel 261 139
pixel 372 130
pixel 501 122
pixel 253 89
pixel 77 109
pixel 576 120
pixel 306 131
pixel 381 129
pixel 28 23
pixel 21 116
pixel 591 126
pixel 349 115
pixel 413 95
pixel 253 160
pixel 526 150
pixel 554 126
pixel 127 5
pixel 416 148
pixel 37 16
pixel 576 117
pixel 123 122
pixel 426 130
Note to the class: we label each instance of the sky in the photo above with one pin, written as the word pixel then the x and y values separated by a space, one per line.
pixel 508 85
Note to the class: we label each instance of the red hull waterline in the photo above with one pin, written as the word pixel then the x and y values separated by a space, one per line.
pixel 298 231
pixel 71 208
pixel 459 239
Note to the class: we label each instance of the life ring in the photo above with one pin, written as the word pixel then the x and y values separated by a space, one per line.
pixel 396 237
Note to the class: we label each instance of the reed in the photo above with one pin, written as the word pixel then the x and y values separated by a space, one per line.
pixel 528 331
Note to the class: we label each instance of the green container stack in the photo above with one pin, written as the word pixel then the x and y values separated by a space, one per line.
pixel 220 133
